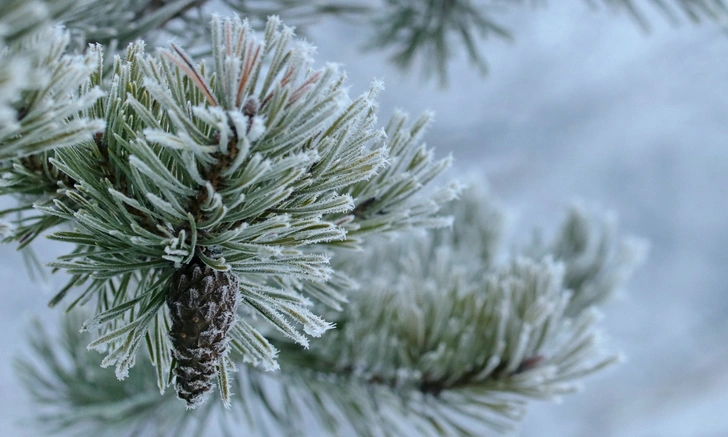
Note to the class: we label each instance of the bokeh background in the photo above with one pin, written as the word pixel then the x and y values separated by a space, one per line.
pixel 581 105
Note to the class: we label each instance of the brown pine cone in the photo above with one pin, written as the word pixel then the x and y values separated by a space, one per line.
pixel 202 304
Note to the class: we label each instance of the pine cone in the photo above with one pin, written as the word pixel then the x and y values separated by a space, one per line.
pixel 202 304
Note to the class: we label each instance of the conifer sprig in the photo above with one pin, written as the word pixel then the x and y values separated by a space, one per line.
pixel 253 166
pixel 450 335
pixel 596 262
pixel 40 98
pixel 674 11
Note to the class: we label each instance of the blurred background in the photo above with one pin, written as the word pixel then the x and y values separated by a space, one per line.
pixel 578 105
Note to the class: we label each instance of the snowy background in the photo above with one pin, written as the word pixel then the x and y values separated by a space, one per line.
pixel 582 105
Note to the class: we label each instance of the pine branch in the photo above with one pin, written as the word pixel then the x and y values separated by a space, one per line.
pixel 42 89
pixel 436 342
pixel 426 33
pixel 117 24
pixel 437 336
pixel 300 14
pixel 43 93
pixel 391 200
pixel 675 11
pixel 424 30
pixel 21 19
pixel 597 262
pixel 32 180
pixel 253 170
pixel 76 396
pixel 445 335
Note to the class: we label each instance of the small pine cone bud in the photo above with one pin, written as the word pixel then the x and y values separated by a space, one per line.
pixel 202 304
pixel 251 106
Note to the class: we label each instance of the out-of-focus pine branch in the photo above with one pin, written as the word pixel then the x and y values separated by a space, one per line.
pixel 675 11
pixel 40 100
